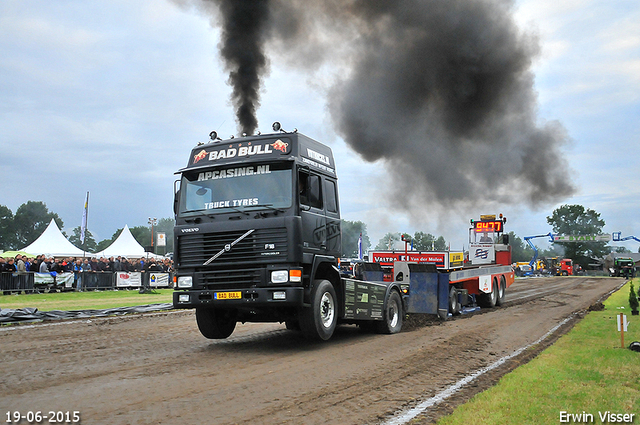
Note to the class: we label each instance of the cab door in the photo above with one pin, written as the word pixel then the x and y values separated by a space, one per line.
pixel 314 222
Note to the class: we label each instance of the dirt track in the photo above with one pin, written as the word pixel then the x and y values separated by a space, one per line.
pixel 157 368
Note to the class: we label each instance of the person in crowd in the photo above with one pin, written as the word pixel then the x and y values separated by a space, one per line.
pixel 35 264
pixel 56 266
pixel 94 264
pixel 69 264
pixel 154 266
pixel 86 267
pixel 125 264
pixel 20 265
pixel 167 267
pixel 10 266
pixel 137 266
pixel 27 263
pixel 44 266
pixel 77 274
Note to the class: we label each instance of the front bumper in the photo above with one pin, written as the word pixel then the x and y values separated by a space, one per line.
pixel 254 297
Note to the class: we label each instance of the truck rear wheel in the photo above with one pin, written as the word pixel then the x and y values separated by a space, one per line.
pixel 392 315
pixel 216 323
pixel 489 300
pixel 319 321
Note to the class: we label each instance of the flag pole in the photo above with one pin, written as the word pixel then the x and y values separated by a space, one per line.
pixel 83 226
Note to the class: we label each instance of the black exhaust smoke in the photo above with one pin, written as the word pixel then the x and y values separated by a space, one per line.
pixel 440 91
pixel 242 48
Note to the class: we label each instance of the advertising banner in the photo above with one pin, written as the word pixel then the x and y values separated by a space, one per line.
pixel 480 253
pixel 159 280
pixel 441 259
pixel 128 280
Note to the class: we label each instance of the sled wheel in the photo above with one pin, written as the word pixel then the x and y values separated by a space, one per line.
pixel 489 300
pixel 454 304
pixel 502 292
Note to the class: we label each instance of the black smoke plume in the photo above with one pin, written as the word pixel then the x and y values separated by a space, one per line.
pixel 242 48
pixel 440 91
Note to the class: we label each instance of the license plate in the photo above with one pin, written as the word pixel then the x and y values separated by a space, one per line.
pixel 227 295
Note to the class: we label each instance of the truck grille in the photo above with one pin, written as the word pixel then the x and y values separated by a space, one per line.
pixel 195 249
pixel 237 279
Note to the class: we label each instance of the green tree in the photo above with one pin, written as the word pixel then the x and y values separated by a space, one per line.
pixel 7 229
pixel 351 231
pixel 520 251
pixel 388 241
pixel 578 220
pixel 142 234
pixel 440 244
pixel 423 241
pixel 427 242
pixel 30 220
pixel 622 250
pixel 90 244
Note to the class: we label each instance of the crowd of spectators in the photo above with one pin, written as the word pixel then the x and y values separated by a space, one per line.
pixel 46 264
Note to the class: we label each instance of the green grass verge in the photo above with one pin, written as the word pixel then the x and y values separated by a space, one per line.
pixel 584 371
pixel 85 300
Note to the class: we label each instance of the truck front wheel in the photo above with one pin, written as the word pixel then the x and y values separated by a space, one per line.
pixel 216 323
pixel 392 316
pixel 318 321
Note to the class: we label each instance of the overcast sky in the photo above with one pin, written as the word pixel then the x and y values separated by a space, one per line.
pixel 109 97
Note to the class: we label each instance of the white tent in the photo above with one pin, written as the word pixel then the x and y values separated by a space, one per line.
pixel 52 242
pixel 125 246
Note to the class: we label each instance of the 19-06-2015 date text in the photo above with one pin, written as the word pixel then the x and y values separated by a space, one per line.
pixel 39 417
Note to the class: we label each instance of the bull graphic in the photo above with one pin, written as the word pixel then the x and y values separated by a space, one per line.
pixel 279 145
pixel 201 155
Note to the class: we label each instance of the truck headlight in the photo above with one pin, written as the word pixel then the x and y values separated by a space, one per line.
pixel 185 281
pixel 183 298
pixel 280 276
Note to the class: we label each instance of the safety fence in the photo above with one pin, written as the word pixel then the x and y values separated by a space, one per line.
pixel 30 282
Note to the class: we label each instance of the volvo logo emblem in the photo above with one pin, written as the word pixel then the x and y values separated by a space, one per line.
pixel 227 247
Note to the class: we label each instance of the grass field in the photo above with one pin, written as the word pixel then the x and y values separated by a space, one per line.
pixel 85 300
pixel 585 371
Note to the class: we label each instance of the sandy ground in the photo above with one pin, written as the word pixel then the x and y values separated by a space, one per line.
pixel 157 368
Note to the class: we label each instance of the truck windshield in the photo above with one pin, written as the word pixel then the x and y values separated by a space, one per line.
pixel 483 237
pixel 223 190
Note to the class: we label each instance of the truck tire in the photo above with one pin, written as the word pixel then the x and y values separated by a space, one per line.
pixel 318 322
pixel 502 291
pixel 489 300
pixel 454 304
pixel 392 315
pixel 565 273
pixel 216 323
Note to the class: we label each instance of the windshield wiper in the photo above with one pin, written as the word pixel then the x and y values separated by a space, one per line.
pixel 269 206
